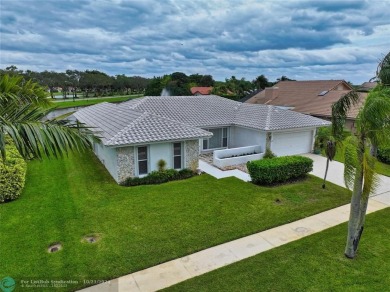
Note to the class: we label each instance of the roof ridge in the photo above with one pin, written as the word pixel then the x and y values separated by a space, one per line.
pixel 129 126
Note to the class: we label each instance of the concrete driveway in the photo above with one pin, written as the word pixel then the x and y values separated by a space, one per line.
pixel 336 175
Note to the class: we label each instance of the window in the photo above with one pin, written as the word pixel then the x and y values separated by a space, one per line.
pixel 224 137
pixel 218 140
pixel 205 143
pixel 142 160
pixel 177 156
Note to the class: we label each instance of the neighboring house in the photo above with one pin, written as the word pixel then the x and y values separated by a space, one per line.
pixel 136 134
pixel 309 97
pixel 201 90
pixel 367 86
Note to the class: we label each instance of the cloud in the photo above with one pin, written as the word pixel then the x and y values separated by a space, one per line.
pixel 300 39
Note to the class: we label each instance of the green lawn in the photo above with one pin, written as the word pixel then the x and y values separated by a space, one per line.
pixel 314 263
pixel 139 227
pixel 381 168
pixel 85 101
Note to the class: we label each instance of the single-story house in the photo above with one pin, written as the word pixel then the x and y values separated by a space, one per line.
pixel 136 134
pixel 198 90
pixel 314 97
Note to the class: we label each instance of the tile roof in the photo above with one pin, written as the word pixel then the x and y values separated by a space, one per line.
pixel 201 90
pixel 308 97
pixel 164 118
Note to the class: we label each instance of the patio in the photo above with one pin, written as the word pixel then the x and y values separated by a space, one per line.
pixel 208 158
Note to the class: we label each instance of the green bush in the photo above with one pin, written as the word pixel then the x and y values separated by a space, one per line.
pixel 12 174
pixel 159 177
pixel 384 155
pixel 279 169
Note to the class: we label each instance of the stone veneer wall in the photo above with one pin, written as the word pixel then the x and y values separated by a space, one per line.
pixel 126 163
pixel 191 154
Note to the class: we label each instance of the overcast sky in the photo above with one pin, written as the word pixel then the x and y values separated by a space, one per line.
pixel 300 39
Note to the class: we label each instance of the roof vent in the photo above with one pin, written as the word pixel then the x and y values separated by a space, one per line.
pixel 322 93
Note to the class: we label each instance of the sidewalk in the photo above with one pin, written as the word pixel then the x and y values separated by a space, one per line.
pixel 181 269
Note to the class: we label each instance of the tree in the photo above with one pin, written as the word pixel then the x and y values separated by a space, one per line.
pixel 372 129
pixel 383 71
pixel 21 118
pixel 206 80
pixel 330 152
pixel 261 82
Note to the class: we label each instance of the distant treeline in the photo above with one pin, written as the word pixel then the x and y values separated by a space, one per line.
pixel 96 83
pixel 89 83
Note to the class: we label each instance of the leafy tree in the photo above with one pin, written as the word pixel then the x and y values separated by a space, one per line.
pixel 372 128
pixel 284 78
pixel 21 118
pixel 261 82
pixel 207 81
pixel 155 87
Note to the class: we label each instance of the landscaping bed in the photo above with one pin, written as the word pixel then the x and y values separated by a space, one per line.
pixel 99 230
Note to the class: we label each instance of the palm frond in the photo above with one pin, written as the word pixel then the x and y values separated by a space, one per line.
pixel 374 118
pixel 351 163
pixel 371 179
pixel 35 138
pixel 339 113
pixel 383 70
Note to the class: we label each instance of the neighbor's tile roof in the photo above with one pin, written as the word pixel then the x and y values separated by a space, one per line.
pixel 201 90
pixel 164 118
pixel 304 96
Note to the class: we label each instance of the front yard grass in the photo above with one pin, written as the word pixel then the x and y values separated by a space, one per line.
pixel 92 101
pixel 139 227
pixel 314 263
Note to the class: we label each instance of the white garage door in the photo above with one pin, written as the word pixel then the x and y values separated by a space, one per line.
pixel 290 143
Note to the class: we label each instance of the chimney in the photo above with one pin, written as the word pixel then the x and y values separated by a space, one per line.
pixel 271 92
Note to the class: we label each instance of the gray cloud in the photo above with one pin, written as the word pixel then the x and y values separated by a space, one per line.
pixel 300 39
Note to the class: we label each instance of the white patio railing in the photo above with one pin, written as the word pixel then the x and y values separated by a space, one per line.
pixel 234 156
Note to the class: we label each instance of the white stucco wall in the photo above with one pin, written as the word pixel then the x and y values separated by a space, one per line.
pixel 160 151
pixel 241 137
pixel 108 157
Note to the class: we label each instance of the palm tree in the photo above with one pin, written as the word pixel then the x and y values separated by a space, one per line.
pixel 23 105
pixel 330 152
pixel 372 129
pixel 383 71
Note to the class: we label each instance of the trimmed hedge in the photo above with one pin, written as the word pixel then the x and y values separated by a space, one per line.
pixel 278 169
pixel 159 177
pixel 384 155
pixel 12 174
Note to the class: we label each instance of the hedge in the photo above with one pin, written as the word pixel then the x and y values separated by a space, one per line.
pixel 384 155
pixel 12 174
pixel 278 169
pixel 159 177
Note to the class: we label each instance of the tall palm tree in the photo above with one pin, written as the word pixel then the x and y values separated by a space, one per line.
pixel 23 104
pixel 372 129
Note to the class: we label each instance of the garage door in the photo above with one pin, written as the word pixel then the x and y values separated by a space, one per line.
pixel 290 143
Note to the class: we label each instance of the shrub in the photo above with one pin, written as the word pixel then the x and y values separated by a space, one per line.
pixel 12 174
pixel 159 177
pixel 268 154
pixel 384 155
pixel 161 164
pixel 279 169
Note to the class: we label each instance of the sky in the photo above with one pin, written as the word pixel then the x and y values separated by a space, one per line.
pixel 303 40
